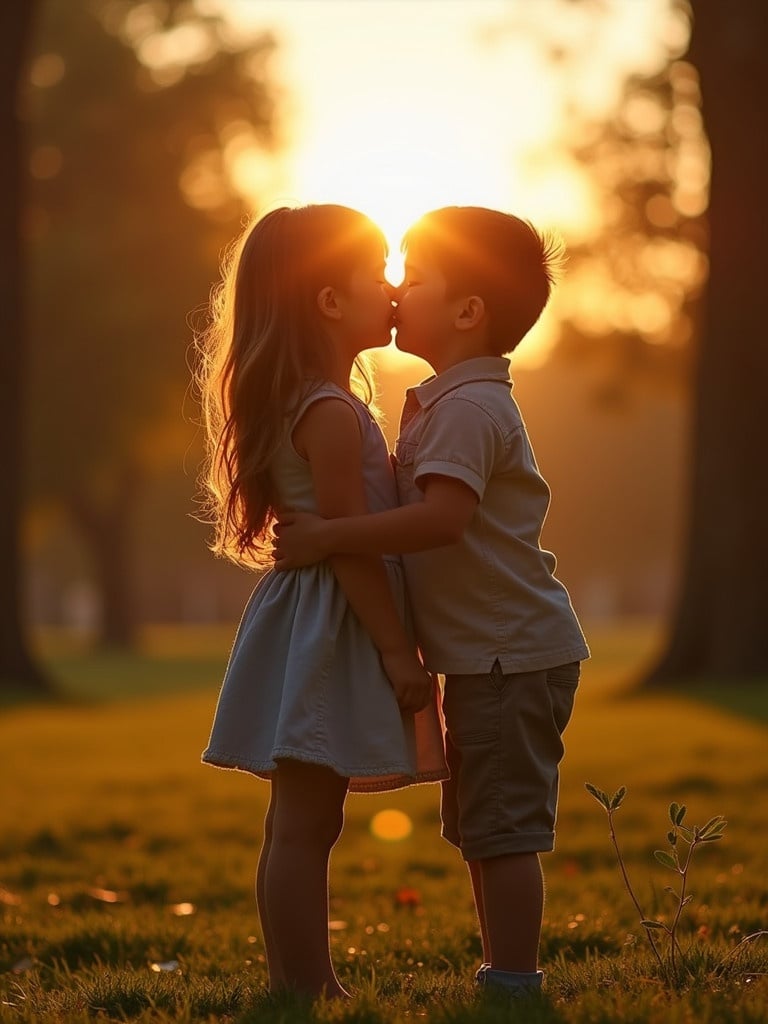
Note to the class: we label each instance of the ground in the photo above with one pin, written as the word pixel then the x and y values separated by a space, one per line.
pixel 126 867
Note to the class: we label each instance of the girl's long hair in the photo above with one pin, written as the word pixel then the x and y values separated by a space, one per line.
pixel 262 348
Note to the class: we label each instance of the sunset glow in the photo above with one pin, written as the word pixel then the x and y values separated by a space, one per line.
pixel 397 108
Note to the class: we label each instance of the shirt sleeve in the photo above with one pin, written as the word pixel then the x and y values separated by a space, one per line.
pixel 460 440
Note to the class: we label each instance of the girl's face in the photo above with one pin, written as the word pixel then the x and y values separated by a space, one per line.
pixel 366 306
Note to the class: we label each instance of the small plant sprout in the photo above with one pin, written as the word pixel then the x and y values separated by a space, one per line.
pixel 683 841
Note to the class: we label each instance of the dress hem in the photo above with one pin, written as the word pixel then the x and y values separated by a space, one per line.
pixel 381 779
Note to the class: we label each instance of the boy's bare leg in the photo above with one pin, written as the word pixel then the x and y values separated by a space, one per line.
pixel 476 876
pixel 513 899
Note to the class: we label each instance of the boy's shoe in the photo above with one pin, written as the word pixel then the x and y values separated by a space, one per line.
pixel 514 983
pixel 481 971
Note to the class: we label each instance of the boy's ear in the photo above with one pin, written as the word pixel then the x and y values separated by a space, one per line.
pixel 328 304
pixel 470 314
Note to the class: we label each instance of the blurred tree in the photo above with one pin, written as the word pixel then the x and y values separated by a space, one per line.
pixel 720 628
pixel 17 667
pixel 637 276
pixel 631 158
pixel 135 116
pixel 659 266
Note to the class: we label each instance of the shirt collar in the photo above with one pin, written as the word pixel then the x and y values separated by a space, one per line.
pixel 482 368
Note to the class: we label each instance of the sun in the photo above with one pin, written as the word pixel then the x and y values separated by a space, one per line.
pixel 374 138
pixel 394 182
pixel 396 111
pixel 395 175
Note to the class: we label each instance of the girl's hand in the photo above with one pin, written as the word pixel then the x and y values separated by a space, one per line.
pixel 298 540
pixel 412 684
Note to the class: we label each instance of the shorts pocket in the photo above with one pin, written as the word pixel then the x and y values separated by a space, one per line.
pixel 562 683
pixel 474 739
pixel 567 675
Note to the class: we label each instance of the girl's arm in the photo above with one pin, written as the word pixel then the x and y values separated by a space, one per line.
pixel 439 520
pixel 328 436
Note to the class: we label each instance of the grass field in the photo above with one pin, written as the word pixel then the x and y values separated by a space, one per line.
pixel 126 867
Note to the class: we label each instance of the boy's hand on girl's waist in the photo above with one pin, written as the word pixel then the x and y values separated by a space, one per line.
pixel 297 540
pixel 412 684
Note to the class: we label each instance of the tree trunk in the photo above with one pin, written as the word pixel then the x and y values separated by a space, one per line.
pixel 18 669
pixel 721 625
pixel 106 528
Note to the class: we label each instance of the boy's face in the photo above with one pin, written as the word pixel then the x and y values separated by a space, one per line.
pixel 366 303
pixel 424 317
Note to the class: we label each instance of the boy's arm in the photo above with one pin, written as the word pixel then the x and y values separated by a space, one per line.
pixel 437 521
pixel 457 455
pixel 329 435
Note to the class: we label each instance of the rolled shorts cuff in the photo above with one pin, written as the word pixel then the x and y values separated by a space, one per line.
pixel 499 845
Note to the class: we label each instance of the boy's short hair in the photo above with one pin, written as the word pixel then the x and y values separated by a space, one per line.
pixel 497 256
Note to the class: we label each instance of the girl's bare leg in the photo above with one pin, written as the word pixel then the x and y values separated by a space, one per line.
pixel 308 818
pixel 276 976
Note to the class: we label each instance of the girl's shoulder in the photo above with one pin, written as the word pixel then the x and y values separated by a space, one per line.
pixel 314 391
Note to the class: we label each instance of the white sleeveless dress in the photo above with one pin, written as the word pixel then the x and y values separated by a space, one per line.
pixel 304 679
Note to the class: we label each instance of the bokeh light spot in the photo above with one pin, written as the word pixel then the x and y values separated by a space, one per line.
pixel 391 825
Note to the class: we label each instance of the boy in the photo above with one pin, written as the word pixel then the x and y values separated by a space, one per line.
pixel 490 615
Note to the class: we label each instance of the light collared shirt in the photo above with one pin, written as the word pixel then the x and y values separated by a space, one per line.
pixel 493 595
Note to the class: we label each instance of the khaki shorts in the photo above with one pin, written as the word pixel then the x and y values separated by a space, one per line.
pixel 504 745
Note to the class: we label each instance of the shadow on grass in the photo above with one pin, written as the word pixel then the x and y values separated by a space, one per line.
pixel 747 697
pixel 98 677
pixel 16 696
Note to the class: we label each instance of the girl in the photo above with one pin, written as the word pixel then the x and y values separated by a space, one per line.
pixel 321 659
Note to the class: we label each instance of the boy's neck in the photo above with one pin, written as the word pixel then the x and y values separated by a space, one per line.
pixel 460 351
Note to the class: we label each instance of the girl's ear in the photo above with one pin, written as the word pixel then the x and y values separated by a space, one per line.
pixel 327 303
pixel 470 314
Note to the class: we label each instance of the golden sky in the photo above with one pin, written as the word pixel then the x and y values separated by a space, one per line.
pixel 399 106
